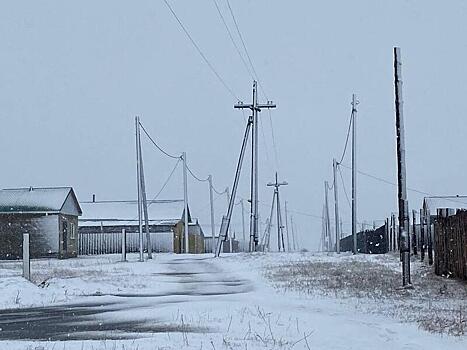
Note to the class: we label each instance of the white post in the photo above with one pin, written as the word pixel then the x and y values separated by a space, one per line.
pixel 26 261
pixel 243 226
pixel 336 206
pixel 213 228
pixel 138 181
pixel 354 173
pixel 185 200
pixel 123 244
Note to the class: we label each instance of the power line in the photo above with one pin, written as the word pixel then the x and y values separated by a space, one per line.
pixel 387 181
pixel 243 44
pixel 343 186
pixel 196 177
pixel 157 146
pixel 165 183
pixel 203 56
pixel 347 138
pixel 232 39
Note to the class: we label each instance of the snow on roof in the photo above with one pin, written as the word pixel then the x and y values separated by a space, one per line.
pixel 445 202
pixel 126 212
pixel 34 199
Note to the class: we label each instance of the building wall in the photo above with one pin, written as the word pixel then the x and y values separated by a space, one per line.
pixel 43 231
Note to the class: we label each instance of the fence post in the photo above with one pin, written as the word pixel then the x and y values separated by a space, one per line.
pixel 26 261
pixel 123 245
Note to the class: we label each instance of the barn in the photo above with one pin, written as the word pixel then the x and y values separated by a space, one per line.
pixel 101 225
pixel 48 214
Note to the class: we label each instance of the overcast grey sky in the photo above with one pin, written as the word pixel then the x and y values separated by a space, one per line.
pixel 74 75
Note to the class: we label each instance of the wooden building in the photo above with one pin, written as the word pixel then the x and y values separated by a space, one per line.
pixel 103 221
pixel 48 214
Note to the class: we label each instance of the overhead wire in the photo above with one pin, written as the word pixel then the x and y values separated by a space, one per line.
pixel 347 137
pixel 255 76
pixel 232 39
pixel 343 186
pixel 203 56
pixel 157 146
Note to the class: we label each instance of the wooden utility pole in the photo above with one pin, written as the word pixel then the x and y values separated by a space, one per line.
pixel 336 206
pixel 414 232
pixel 354 172
pixel 404 238
pixel 422 234
pixel 255 108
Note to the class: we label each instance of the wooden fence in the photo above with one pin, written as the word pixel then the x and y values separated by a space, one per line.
pixel 94 243
pixel 368 242
pixel 451 244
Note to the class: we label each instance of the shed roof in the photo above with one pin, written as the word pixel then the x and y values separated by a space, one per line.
pixel 39 200
pixel 445 202
pixel 111 213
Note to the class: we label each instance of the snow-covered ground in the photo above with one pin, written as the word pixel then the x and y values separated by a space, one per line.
pixel 239 301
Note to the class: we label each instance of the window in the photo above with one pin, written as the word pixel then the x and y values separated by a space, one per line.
pixel 72 231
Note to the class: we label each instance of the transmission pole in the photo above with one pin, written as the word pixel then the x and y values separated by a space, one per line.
pixel 138 184
pixel 401 170
pixel 211 201
pixel 145 202
pixel 280 233
pixel 293 233
pixel 327 222
pixel 226 219
pixel 336 206
pixel 354 173
pixel 185 204
pixel 243 224
pixel 287 227
pixel 255 108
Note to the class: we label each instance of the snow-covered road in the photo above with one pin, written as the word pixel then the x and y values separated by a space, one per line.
pixel 196 302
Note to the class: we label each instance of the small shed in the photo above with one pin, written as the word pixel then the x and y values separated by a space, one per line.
pixel 48 214
pixel 104 220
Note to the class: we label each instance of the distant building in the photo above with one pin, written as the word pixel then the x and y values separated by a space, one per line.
pixel 103 220
pixel 49 215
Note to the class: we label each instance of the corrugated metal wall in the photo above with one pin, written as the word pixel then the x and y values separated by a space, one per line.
pixel 93 243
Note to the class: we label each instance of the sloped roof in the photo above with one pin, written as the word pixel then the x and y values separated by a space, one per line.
pixel 445 202
pixel 126 212
pixel 36 200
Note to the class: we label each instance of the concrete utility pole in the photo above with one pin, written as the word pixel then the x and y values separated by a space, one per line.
pixel 211 201
pixel 243 223
pixel 138 184
pixel 185 203
pixel 354 172
pixel 255 108
pixel 336 206
pixel 287 227
pixel 328 221
pixel 280 233
pixel 404 238
pixel 226 219
pixel 143 194
pixel 293 233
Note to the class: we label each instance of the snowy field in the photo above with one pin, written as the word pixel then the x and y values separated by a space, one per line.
pixel 239 301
